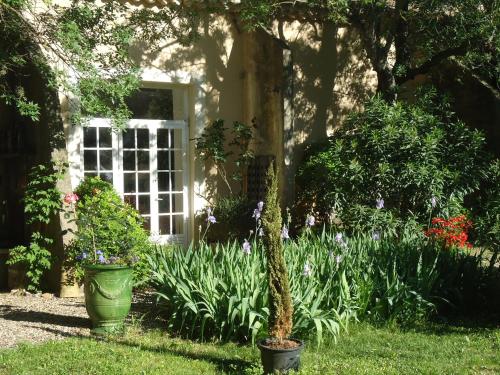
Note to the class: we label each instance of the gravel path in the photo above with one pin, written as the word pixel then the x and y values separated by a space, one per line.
pixel 38 318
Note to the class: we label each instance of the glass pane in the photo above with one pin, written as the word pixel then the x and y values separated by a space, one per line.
pixel 178 224
pixel 177 203
pixel 163 181
pixel 142 160
pixel 147 223
pixel 176 138
pixel 130 199
pixel 176 161
pixel 144 204
pixel 162 138
pixel 129 138
pixel 177 181
pixel 142 138
pixel 164 224
pixel 90 160
pixel 163 160
pixel 104 137
pixel 129 183
pixel 89 137
pixel 129 160
pixel 163 203
pixel 154 104
pixel 143 182
pixel 90 174
pixel 107 177
pixel 106 160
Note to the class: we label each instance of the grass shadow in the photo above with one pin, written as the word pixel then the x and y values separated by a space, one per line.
pixel 223 364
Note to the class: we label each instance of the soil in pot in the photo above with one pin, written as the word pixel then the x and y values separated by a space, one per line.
pixel 280 356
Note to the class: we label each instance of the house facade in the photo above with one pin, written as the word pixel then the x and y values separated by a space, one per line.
pixel 293 94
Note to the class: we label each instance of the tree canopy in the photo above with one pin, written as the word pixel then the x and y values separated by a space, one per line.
pixel 85 47
pixel 402 38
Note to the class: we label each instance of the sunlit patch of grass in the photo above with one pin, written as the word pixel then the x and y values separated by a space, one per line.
pixel 436 349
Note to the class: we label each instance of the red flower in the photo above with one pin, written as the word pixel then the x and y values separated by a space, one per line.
pixel 452 232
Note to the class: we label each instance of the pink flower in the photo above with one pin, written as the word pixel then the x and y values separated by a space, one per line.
pixel 71 198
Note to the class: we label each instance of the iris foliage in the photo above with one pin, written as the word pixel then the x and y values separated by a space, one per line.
pixel 220 291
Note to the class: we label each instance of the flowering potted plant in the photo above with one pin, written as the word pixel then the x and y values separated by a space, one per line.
pixel 278 351
pixel 108 251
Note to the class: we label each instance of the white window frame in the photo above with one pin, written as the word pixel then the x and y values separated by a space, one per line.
pixel 117 148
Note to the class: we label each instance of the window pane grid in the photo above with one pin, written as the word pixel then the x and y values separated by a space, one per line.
pixel 149 162
pixel 97 152
pixel 136 172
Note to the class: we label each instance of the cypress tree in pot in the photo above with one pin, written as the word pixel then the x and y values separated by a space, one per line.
pixel 279 352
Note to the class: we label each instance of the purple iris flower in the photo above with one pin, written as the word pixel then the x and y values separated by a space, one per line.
pixel 380 203
pixel 307 270
pixel 247 248
pixel 82 256
pixel 284 233
pixel 310 221
pixel 433 202
pixel 340 240
pixel 260 206
pixel 101 259
pixel 256 214
pixel 211 219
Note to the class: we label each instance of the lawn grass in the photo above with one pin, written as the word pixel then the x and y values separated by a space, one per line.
pixel 438 349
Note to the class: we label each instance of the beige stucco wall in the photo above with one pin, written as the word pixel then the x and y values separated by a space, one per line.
pixel 238 76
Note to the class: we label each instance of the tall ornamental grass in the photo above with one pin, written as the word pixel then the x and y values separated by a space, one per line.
pixel 220 291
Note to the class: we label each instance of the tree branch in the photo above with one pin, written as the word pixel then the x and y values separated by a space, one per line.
pixel 433 61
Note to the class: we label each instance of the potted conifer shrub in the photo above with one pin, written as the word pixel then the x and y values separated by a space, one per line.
pixel 108 251
pixel 279 352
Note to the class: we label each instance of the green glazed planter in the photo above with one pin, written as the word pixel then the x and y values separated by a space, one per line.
pixel 108 296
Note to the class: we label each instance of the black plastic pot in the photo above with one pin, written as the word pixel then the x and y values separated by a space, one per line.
pixel 281 360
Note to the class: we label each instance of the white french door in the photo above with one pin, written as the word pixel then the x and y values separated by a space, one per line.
pixel 147 164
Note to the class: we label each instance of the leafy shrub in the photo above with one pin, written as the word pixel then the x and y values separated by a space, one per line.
pixel 228 212
pixel 108 228
pixel 42 201
pixel 488 213
pixel 212 146
pixel 406 154
pixel 221 291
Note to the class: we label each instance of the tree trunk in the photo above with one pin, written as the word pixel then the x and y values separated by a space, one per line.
pixel 386 85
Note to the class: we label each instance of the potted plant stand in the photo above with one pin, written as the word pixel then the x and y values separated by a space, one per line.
pixel 108 296
pixel 280 357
